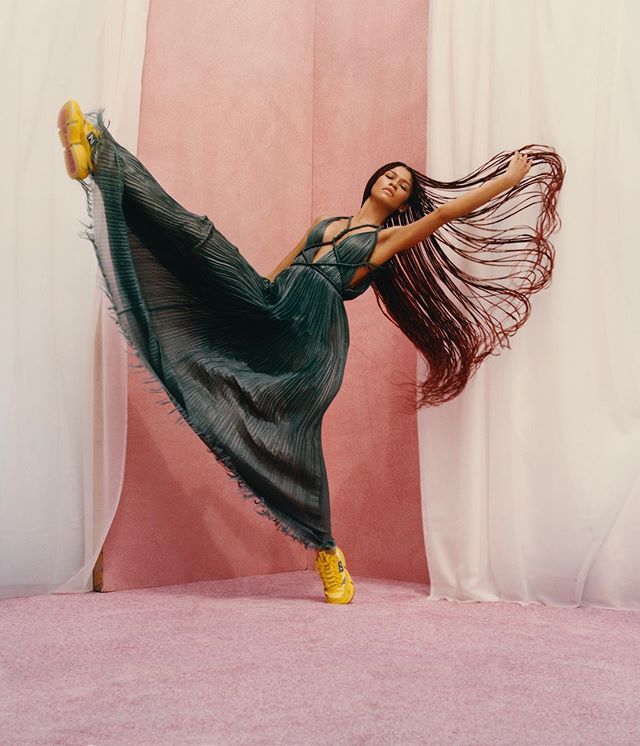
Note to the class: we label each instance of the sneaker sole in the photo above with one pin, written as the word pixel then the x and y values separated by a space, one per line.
pixel 346 599
pixel 71 130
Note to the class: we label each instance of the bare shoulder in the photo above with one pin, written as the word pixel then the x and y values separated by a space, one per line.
pixel 319 219
pixel 315 222
pixel 397 238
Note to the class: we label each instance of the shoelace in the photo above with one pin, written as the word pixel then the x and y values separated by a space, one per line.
pixel 331 576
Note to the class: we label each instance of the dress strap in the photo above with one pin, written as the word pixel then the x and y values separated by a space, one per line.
pixel 336 239
pixel 362 225
pixel 349 227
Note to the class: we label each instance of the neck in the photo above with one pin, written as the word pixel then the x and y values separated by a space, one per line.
pixel 370 212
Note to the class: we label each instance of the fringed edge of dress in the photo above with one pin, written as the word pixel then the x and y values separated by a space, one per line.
pixel 282 523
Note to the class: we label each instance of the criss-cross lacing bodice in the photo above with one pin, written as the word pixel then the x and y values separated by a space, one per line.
pixel 332 257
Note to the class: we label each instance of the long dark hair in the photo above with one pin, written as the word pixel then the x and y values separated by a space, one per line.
pixel 463 291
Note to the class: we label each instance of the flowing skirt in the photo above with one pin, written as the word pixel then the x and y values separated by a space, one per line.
pixel 251 365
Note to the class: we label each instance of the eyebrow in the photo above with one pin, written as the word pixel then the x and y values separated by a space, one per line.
pixel 396 173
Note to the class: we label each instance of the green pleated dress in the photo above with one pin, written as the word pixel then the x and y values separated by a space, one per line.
pixel 251 365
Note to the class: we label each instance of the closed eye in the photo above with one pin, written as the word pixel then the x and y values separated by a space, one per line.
pixel 402 184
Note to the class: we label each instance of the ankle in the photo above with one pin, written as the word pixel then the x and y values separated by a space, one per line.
pixel 328 550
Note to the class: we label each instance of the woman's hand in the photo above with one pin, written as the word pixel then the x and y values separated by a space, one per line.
pixel 518 167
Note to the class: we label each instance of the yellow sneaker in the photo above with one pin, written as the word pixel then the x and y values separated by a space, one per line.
pixel 77 135
pixel 338 584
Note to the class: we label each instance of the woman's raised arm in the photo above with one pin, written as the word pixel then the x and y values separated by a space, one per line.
pixel 400 237
pixel 518 167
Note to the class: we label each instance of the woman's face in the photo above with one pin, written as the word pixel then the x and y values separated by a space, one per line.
pixel 393 187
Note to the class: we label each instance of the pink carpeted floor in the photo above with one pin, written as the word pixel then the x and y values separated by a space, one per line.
pixel 263 660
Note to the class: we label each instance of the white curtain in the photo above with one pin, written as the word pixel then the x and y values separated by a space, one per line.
pixel 531 478
pixel 63 378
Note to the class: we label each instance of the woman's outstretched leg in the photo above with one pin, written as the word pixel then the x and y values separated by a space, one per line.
pixel 144 199
pixel 147 203
pixel 188 245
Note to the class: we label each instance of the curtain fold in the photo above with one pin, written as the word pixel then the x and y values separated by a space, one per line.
pixel 531 477
pixel 63 426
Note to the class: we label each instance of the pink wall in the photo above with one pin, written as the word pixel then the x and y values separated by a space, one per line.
pixel 263 115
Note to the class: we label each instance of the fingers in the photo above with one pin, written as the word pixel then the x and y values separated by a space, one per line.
pixel 519 166
pixel 523 162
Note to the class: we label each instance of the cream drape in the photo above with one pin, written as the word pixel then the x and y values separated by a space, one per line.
pixel 531 478
pixel 63 378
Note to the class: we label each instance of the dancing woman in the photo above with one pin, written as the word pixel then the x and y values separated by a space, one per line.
pixel 253 362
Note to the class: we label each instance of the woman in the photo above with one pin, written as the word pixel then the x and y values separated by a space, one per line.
pixel 252 363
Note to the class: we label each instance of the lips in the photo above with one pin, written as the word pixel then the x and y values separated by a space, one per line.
pixel 389 191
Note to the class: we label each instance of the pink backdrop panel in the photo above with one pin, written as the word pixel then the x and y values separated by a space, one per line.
pixel 370 109
pixel 217 131
pixel 239 123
